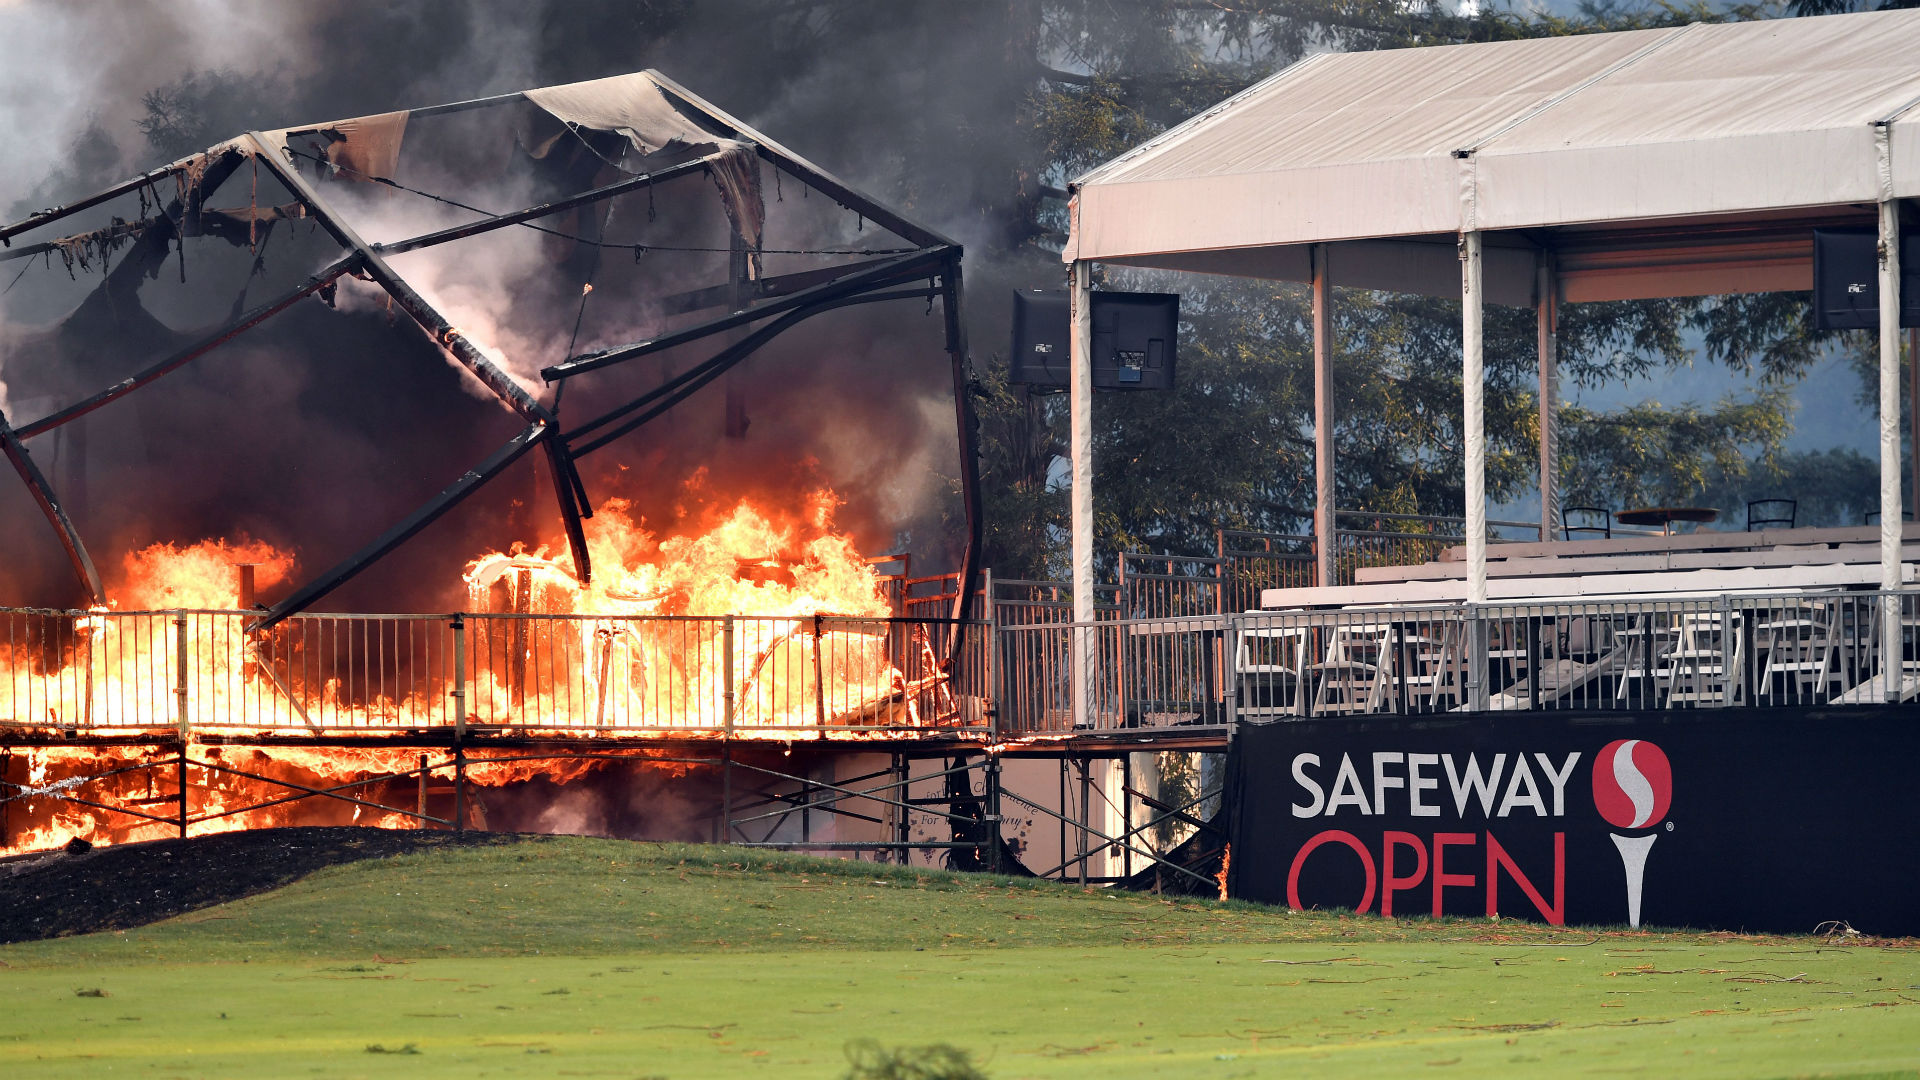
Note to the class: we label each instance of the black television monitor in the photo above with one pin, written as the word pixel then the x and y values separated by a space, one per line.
pixel 1134 340
pixel 1846 279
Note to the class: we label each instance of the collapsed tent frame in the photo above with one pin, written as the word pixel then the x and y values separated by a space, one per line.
pixel 794 298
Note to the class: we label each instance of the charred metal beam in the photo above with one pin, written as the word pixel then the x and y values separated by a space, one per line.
pixel 501 221
pixel 57 212
pixel 23 464
pixel 967 424
pixel 719 362
pixel 426 515
pixel 683 386
pixel 470 103
pixel 815 177
pixel 198 348
pixel 874 275
pixel 153 246
pixel 110 232
pixel 443 333
pixel 425 110
pixel 567 491
pixel 449 338
pixel 714 296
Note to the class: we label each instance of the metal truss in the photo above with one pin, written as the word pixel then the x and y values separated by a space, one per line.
pixel 174 765
pixel 785 300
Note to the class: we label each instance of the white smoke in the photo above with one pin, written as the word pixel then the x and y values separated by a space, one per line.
pixel 576 811
pixel 72 84
pixel 471 282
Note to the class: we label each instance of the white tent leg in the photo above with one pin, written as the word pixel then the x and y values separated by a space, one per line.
pixel 1890 524
pixel 1472 393
pixel 1323 498
pixel 1913 418
pixel 1080 447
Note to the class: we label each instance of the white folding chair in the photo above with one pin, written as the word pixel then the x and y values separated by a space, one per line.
pixel 1270 661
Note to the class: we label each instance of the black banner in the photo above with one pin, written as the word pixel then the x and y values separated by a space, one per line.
pixel 1736 819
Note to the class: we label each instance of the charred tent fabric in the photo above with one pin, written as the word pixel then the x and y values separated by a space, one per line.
pixel 639 214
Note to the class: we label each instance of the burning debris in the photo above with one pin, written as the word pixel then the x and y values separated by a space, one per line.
pixel 681 586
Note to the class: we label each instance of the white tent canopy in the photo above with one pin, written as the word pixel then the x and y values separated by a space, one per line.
pixel 1676 162
pixel 1689 161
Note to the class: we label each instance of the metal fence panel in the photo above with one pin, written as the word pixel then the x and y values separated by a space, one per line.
pixel 1703 652
pixel 209 670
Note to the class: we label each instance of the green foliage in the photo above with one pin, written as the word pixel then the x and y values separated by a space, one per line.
pixel 871 1061
pixel 1832 487
pixel 192 112
pixel 1651 455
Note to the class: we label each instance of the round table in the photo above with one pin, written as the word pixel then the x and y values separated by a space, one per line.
pixel 1665 516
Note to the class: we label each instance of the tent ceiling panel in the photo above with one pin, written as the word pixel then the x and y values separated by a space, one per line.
pixel 1772 254
pixel 1429 266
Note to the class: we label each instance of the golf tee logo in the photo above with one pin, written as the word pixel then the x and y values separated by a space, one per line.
pixel 1632 788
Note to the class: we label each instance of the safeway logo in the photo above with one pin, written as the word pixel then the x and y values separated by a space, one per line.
pixel 1632 789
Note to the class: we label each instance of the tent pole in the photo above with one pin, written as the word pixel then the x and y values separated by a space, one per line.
pixel 1890 524
pixel 1546 317
pixel 1472 389
pixel 1913 417
pixel 1081 449
pixel 1323 498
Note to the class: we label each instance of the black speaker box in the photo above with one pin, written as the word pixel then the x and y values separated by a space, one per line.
pixel 1134 338
pixel 1846 279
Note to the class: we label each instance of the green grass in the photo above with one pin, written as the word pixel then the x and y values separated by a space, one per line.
pixel 602 958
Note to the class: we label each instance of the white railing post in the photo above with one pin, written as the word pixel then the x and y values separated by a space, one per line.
pixel 459 677
pixel 1891 530
pixel 180 676
pixel 1080 449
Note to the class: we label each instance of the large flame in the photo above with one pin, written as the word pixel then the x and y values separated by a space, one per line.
pixel 689 620
pixel 750 561
pixel 239 787
pixel 758 621
pixel 199 575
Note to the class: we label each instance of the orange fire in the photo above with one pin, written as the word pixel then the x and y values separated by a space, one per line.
pixel 200 575
pixel 759 622
pixel 751 561
pixel 243 787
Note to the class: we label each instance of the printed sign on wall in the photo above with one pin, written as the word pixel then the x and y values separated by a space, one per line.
pixel 1737 819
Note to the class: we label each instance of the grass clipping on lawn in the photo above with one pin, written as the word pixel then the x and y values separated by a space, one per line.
pixel 606 957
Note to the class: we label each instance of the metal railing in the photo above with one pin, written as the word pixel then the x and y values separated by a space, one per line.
pixel 206 670
pixel 1252 562
pixel 1163 586
pixel 1035 667
pixel 1020 602
pixel 1811 648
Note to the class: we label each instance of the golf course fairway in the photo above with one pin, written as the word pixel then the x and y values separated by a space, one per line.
pixel 585 957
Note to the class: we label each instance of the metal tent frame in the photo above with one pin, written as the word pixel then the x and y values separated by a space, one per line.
pixel 765 307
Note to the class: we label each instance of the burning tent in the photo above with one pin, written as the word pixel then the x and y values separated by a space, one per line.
pixel 331 367
pixel 633 191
